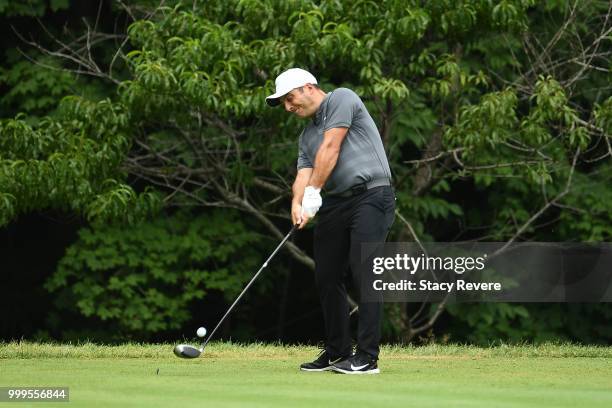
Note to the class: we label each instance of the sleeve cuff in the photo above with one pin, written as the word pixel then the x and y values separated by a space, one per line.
pixel 337 125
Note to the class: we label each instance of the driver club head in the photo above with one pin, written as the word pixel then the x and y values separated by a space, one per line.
pixel 187 351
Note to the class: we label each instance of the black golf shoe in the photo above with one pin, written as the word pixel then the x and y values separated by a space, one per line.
pixel 359 363
pixel 323 362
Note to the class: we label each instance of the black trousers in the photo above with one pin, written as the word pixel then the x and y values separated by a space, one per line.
pixel 343 225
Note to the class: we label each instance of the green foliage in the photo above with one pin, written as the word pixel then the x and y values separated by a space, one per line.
pixel 34 89
pixel 71 163
pixel 456 84
pixel 429 208
pixel 595 224
pixel 603 115
pixel 143 279
pixel 31 8
pixel 487 321
pixel 519 323
pixel 487 124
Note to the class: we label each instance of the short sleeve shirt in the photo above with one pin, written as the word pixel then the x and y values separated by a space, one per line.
pixel 362 154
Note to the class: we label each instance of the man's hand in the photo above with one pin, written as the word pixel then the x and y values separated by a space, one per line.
pixel 297 215
pixel 311 202
pixel 299 185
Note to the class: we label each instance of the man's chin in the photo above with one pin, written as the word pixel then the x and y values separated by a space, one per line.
pixel 301 114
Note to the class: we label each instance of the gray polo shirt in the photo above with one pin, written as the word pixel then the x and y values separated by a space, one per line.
pixel 362 155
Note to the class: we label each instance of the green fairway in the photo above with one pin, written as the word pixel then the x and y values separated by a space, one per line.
pixel 264 375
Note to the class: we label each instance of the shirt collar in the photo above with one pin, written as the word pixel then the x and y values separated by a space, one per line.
pixel 317 119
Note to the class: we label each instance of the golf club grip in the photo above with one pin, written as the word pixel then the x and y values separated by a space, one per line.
pixel 293 228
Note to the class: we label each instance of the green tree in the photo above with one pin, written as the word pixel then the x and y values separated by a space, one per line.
pixel 503 100
pixel 143 280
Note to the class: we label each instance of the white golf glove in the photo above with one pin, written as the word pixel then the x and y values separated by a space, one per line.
pixel 311 202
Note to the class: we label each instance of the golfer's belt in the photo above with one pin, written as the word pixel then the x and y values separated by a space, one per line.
pixel 360 188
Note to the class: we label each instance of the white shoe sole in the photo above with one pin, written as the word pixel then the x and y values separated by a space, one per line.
pixel 316 370
pixel 341 371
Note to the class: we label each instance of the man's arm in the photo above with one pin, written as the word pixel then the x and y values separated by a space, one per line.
pixel 327 156
pixel 300 183
pixel 325 161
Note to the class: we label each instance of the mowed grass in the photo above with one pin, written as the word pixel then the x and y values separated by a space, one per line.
pixel 258 375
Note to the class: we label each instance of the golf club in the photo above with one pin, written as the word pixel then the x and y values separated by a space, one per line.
pixel 189 351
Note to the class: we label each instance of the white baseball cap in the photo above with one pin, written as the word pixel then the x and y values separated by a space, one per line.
pixel 289 80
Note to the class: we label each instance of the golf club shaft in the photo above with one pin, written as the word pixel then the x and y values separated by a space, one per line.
pixel 249 285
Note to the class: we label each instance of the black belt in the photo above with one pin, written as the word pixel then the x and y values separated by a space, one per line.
pixel 360 188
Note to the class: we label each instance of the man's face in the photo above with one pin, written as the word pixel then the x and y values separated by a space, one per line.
pixel 299 101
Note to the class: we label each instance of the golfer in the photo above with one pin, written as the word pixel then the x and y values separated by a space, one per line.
pixel 340 154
